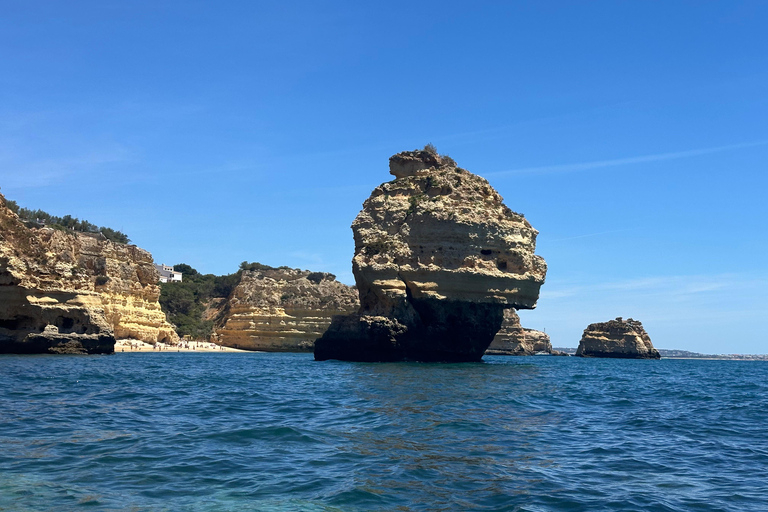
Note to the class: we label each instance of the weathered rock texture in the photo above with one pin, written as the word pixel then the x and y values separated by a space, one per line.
pixel 282 309
pixel 515 340
pixel 73 292
pixel 618 338
pixel 438 257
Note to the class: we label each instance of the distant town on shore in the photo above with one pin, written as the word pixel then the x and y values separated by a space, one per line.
pixel 667 353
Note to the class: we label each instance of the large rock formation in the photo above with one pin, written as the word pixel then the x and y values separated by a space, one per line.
pixel 282 309
pixel 126 280
pixel 515 340
pixel 618 338
pixel 73 292
pixel 438 257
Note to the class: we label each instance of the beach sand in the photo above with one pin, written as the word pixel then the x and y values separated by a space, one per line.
pixel 128 345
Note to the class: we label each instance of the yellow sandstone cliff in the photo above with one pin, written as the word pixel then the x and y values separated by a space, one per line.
pixel 515 340
pixel 624 339
pixel 74 292
pixel 438 258
pixel 282 309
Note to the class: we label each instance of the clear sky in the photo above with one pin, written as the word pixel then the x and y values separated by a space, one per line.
pixel 633 136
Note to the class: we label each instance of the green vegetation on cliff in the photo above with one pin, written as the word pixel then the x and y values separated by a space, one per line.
pixel 39 218
pixel 190 304
pixel 187 305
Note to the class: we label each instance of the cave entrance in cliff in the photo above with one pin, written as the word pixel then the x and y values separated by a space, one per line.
pixel 68 325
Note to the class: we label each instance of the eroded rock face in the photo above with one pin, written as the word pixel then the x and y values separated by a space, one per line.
pixel 72 292
pixel 515 340
pixel 618 338
pixel 282 309
pixel 126 280
pixel 438 257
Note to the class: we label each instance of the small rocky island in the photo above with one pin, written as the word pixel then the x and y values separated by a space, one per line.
pixel 281 309
pixel 625 339
pixel 438 258
pixel 515 340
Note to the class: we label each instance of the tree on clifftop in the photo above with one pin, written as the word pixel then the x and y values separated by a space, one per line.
pixel 185 269
pixel 185 303
pixel 40 218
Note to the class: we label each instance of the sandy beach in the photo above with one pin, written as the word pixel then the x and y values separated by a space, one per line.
pixel 128 345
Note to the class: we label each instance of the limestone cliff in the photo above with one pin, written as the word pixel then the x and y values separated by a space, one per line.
pixel 126 280
pixel 515 340
pixel 73 292
pixel 618 338
pixel 282 309
pixel 438 257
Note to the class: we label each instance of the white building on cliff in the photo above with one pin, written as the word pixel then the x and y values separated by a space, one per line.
pixel 167 274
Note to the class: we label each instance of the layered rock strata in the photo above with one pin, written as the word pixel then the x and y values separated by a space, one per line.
pixel 126 280
pixel 515 340
pixel 282 309
pixel 625 339
pixel 438 258
pixel 74 292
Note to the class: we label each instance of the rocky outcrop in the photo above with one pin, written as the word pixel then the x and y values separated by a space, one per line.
pixel 282 309
pixel 438 257
pixel 73 292
pixel 618 338
pixel 126 280
pixel 515 340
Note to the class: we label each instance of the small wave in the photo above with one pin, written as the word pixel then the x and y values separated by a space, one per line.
pixel 528 434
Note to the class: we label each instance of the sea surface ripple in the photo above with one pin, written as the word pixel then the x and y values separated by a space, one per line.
pixel 281 432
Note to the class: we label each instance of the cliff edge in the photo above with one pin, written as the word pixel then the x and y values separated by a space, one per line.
pixel 74 292
pixel 282 309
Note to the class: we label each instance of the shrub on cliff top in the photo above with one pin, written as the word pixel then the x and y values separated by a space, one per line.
pixel 185 269
pixel 40 218
pixel 185 303
pixel 255 266
pixel 447 160
pixel 317 277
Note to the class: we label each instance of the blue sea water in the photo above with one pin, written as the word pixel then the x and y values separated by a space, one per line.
pixel 281 432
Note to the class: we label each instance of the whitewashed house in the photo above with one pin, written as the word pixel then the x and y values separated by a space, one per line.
pixel 167 274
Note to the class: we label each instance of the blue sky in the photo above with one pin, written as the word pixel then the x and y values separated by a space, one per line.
pixel 633 135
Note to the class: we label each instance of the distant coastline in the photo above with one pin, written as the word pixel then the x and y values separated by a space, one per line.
pixel 685 354
pixel 128 345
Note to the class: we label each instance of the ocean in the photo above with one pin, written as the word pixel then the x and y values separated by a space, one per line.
pixel 281 432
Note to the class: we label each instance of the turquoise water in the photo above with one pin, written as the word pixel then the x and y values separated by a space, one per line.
pixel 281 432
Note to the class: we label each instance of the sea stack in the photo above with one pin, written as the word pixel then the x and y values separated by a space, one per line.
pixel 515 340
pixel 67 292
pixel 282 309
pixel 625 339
pixel 438 258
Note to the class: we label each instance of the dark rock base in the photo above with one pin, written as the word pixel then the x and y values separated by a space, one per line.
pixel 620 355
pixel 431 331
pixel 45 343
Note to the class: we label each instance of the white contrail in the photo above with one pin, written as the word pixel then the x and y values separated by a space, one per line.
pixel 590 234
pixel 626 161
